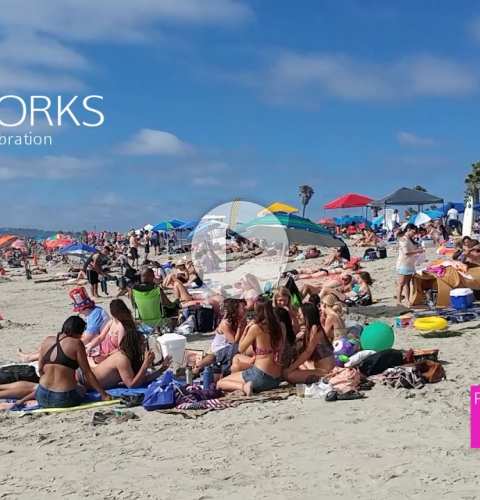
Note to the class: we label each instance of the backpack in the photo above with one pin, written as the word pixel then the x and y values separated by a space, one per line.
pixel 204 319
pixel 15 373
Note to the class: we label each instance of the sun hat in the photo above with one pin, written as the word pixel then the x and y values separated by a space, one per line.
pixel 81 300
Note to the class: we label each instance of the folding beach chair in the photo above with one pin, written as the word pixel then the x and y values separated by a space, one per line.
pixel 148 308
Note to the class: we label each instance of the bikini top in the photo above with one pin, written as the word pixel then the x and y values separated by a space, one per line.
pixel 61 358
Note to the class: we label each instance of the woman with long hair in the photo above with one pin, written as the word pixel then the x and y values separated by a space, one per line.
pixel 316 358
pixel 113 332
pixel 266 337
pixel 283 298
pixel 129 364
pixel 227 335
pixel 331 317
pixel 60 357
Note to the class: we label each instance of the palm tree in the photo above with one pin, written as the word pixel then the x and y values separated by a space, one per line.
pixel 305 192
pixel 472 182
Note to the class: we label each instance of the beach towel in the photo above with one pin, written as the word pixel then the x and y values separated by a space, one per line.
pixel 232 401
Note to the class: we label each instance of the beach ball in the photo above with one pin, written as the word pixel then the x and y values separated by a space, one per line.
pixel 343 347
pixel 377 336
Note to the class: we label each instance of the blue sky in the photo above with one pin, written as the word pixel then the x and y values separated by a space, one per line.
pixel 210 100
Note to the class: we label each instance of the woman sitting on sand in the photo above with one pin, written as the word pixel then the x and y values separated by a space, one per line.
pixel 316 358
pixel 331 317
pixel 250 289
pixel 266 337
pixel 112 334
pixel 368 239
pixel 227 335
pixel 60 357
pixel 129 365
pixel 282 298
pixel 360 294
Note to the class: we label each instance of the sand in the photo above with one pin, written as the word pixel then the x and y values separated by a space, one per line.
pixel 394 444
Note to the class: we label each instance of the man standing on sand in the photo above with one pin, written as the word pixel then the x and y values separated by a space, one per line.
pixel 133 244
pixel 94 269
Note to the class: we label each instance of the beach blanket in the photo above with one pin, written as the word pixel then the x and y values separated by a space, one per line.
pixel 452 315
pixel 195 410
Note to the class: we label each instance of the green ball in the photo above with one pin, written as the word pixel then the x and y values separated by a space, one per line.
pixel 377 336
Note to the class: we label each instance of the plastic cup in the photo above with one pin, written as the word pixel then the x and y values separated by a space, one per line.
pixel 300 390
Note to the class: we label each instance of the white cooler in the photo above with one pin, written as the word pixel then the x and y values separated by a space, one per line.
pixel 173 344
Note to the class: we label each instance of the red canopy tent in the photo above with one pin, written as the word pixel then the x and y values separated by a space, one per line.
pixel 349 200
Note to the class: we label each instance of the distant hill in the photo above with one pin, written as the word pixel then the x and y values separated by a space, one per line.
pixel 28 233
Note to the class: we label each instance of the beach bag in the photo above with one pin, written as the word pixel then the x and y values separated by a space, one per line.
pixel 370 254
pixel 16 373
pixel 382 252
pixel 204 319
pixel 381 361
pixel 344 379
pixel 160 394
pixel 431 371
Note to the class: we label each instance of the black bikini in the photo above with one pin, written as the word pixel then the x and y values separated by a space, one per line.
pixel 61 358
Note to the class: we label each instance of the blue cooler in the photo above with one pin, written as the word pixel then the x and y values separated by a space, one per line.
pixel 461 298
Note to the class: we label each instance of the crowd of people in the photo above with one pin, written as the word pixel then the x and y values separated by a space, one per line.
pixel 261 337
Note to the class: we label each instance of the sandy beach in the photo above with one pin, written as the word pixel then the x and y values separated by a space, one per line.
pixel 396 443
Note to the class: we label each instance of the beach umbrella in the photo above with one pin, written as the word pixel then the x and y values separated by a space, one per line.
pixel 57 243
pixel 168 225
pixel 277 207
pixel 419 219
pixel 78 250
pixel 148 227
pixel 6 240
pixel 298 230
pixel 434 214
pixel 326 221
pixel 349 200
pixel 19 245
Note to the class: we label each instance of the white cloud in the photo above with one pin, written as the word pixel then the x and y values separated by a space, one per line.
pixel 409 139
pixel 34 51
pixel 155 142
pixel 207 181
pixel 293 74
pixel 115 20
pixel 47 167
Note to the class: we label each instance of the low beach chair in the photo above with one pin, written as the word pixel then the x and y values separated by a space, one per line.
pixel 148 308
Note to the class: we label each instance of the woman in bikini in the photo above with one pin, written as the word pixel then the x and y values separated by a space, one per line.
pixel 331 317
pixel 360 293
pixel 129 365
pixel 227 335
pixel 267 339
pixel 112 334
pixel 60 357
pixel 316 359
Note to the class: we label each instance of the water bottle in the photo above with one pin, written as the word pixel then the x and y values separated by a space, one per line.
pixel 188 375
pixel 207 377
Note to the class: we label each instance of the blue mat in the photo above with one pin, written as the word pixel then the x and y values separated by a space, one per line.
pixel 94 396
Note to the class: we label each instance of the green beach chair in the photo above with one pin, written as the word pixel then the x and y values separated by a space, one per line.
pixel 148 307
